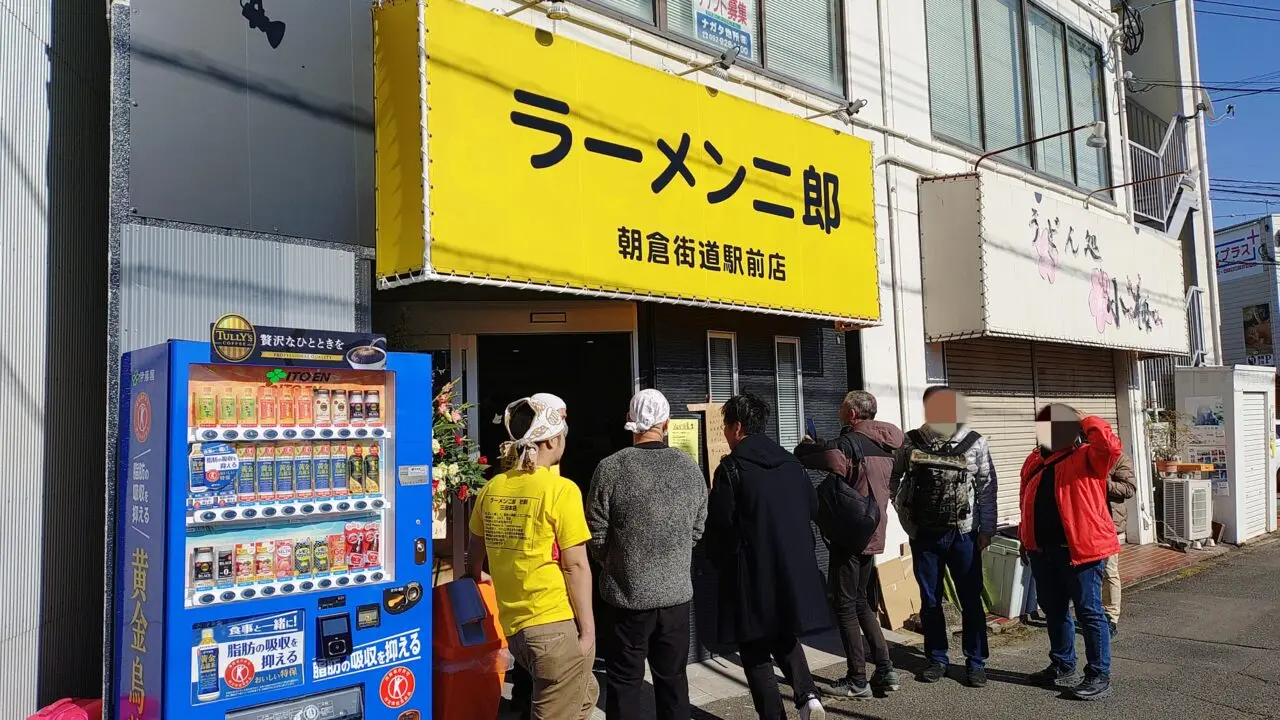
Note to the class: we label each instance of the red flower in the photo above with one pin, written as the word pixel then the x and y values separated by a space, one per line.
pixel 463 492
pixel 458 439
pixel 482 460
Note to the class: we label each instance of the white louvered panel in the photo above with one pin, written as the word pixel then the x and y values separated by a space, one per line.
pixel 1084 378
pixel 723 363
pixel 996 377
pixel 1251 473
pixel 790 401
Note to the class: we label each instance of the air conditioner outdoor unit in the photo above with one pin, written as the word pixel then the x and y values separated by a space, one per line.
pixel 1188 509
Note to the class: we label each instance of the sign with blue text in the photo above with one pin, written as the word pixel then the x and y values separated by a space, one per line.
pixel 234 658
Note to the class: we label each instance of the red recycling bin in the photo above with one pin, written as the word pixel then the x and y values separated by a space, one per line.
pixel 469 657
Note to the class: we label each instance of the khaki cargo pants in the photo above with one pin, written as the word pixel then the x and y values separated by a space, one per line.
pixel 563 686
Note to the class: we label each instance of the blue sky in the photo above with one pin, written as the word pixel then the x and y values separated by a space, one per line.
pixel 1248 147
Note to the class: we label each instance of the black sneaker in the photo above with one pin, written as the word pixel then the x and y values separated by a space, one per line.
pixel 847 688
pixel 886 680
pixel 977 677
pixel 933 673
pixel 1114 630
pixel 1093 687
pixel 1054 676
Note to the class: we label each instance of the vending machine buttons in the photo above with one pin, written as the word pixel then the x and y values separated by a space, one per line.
pixel 333 640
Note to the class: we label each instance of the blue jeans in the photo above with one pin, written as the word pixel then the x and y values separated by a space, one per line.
pixel 1058 584
pixel 958 552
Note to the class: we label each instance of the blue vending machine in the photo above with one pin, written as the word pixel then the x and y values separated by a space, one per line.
pixel 274 523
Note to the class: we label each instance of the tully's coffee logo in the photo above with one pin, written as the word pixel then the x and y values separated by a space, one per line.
pixel 233 338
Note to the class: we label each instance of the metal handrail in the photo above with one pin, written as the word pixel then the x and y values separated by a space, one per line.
pixel 1155 202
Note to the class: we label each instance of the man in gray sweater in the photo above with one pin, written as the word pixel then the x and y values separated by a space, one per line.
pixel 646 509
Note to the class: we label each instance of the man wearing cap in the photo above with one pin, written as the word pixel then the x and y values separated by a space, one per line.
pixel 646 509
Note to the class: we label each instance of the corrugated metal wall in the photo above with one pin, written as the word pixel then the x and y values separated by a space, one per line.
pixel 53 217
pixel 174 282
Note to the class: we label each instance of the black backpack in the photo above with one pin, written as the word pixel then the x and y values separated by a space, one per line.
pixel 847 518
pixel 938 492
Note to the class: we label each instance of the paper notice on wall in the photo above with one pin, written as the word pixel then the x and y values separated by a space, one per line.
pixel 717 446
pixel 1221 488
pixel 686 434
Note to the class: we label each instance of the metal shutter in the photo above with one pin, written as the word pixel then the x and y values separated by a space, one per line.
pixel 996 377
pixel 1251 471
pixel 1084 378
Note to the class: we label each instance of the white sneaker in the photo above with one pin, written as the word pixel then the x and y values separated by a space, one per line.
pixel 813 710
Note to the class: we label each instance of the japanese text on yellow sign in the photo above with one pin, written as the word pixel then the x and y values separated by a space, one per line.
pixel 554 163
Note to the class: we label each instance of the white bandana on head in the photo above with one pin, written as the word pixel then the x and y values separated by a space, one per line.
pixel 548 423
pixel 649 409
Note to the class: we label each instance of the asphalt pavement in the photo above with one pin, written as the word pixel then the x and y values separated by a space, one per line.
pixel 1203 645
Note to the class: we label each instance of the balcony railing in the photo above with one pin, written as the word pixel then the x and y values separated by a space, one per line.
pixel 1153 155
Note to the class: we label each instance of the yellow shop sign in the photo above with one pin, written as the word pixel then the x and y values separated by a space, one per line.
pixel 552 163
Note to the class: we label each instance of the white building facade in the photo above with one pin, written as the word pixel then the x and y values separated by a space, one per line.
pixel 1049 274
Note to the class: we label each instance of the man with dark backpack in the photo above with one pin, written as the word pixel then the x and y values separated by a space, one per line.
pixel 944 489
pixel 853 507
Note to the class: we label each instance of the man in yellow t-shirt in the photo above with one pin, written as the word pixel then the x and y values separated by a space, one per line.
pixel 544 604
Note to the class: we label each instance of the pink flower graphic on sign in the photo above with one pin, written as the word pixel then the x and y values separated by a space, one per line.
pixel 1100 299
pixel 1048 253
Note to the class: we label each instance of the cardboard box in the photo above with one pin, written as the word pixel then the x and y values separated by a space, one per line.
pixel 899 593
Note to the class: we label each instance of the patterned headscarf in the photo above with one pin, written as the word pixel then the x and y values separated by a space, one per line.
pixel 548 423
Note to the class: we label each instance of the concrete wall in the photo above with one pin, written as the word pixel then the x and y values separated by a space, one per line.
pixel 53 192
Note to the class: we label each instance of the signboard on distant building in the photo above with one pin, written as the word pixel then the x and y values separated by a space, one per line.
pixel 1243 251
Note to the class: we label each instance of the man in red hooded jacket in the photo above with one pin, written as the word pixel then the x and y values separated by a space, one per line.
pixel 1068 535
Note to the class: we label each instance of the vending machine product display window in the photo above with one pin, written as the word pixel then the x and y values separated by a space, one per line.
pixel 286 488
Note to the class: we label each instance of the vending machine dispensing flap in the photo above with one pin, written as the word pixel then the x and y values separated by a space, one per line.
pixel 469 611
pixel 344 704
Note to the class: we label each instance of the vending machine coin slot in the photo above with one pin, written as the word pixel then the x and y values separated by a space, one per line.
pixel 333 636
pixel 419 551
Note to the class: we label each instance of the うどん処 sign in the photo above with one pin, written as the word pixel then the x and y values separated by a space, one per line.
pixel 552 163
pixel 1000 259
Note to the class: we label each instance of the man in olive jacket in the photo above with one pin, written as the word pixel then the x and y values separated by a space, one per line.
pixel 1120 487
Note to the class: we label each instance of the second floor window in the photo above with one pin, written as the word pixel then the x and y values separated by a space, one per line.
pixel 795 39
pixel 1002 72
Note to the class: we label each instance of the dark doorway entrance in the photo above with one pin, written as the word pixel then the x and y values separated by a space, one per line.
pixel 591 372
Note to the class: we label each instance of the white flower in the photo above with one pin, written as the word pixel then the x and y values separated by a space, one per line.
pixel 453 470
pixel 435 446
pixel 437 474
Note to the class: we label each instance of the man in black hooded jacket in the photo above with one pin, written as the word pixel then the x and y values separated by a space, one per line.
pixel 761 542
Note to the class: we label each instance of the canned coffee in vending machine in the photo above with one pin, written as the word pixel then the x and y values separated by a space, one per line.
pixel 267 513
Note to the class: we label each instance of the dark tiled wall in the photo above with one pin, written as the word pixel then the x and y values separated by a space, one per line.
pixel 673 358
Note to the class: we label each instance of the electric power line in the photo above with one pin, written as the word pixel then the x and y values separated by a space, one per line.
pixel 1237 5
pixel 1238 15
